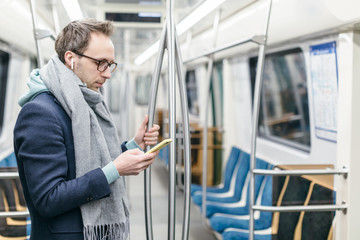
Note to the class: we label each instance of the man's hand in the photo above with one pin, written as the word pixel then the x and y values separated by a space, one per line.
pixel 149 138
pixel 133 161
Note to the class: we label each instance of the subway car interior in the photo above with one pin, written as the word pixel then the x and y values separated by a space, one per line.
pixel 258 97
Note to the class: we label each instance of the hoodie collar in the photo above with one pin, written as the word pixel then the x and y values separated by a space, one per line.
pixel 36 86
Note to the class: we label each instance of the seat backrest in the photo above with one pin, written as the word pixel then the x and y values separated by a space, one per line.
pixel 260 164
pixel 241 174
pixel 230 166
pixel 320 196
pixel 295 194
pixel 265 199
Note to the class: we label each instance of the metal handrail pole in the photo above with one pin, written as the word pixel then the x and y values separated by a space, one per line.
pixel 37 43
pixel 300 172
pixel 55 16
pixel 151 112
pixel 206 119
pixel 300 208
pixel 256 109
pixel 257 39
pixel 172 118
pixel 205 136
pixel 186 131
pixel 9 175
pixel 14 214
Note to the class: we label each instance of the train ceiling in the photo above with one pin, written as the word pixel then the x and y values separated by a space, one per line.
pixel 135 34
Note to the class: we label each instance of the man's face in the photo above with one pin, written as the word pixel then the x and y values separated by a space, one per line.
pixel 101 48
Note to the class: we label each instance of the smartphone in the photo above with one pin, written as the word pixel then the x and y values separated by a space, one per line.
pixel 160 145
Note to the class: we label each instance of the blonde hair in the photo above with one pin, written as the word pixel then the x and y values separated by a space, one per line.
pixel 76 35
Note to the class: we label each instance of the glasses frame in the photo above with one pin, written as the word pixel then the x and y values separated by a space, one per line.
pixel 99 62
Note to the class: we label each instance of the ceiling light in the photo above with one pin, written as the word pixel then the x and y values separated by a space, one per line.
pixel 147 53
pixel 199 13
pixel 72 9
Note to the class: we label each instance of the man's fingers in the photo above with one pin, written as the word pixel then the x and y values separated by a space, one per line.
pixel 145 121
pixel 154 128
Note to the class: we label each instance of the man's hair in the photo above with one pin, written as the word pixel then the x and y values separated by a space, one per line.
pixel 76 35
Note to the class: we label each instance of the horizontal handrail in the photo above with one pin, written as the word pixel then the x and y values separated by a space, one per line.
pixel 258 39
pixel 343 171
pixel 9 175
pixel 313 208
pixel 14 214
pixel 12 175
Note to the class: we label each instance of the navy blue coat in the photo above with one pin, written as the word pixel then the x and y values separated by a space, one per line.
pixel 44 150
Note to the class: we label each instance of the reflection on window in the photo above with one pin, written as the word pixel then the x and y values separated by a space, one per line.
pixel 191 90
pixel 284 112
pixel 4 63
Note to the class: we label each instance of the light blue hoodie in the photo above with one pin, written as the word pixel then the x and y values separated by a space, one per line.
pixel 37 86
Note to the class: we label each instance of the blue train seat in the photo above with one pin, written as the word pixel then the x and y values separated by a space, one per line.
pixel 235 191
pixel 240 207
pixel 228 173
pixel 219 222
pixel 9 161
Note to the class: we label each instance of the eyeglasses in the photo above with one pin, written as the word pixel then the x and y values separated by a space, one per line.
pixel 102 64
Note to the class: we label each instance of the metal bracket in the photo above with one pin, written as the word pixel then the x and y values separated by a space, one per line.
pixel 259 39
pixel 345 171
pixel 43 33
pixel 344 210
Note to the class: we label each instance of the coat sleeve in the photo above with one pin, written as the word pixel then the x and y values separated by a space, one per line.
pixel 40 147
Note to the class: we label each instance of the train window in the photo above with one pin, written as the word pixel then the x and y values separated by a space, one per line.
pixel 4 63
pixel 284 110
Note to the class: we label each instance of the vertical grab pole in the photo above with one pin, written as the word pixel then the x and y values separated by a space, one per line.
pixel 151 111
pixel 206 119
pixel 37 43
pixel 187 163
pixel 172 118
pixel 256 109
pixel 205 136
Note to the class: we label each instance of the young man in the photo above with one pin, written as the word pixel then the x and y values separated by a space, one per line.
pixel 70 162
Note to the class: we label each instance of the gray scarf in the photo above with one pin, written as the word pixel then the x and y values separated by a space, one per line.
pixel 96 144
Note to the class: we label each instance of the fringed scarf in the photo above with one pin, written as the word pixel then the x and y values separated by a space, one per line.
pixel 96 144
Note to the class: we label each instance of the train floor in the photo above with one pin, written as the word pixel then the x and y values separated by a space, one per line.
pixel 159 189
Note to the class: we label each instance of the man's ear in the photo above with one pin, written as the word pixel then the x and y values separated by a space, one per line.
pixel 69 59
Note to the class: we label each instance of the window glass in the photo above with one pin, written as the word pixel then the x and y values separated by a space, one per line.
pixel 284 112
pixel 4 63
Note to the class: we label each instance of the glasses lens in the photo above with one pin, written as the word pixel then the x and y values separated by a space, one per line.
pixel 112 67
pixel 102 66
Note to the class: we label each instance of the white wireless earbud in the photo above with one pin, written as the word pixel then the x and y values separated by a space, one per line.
pixel 72 64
